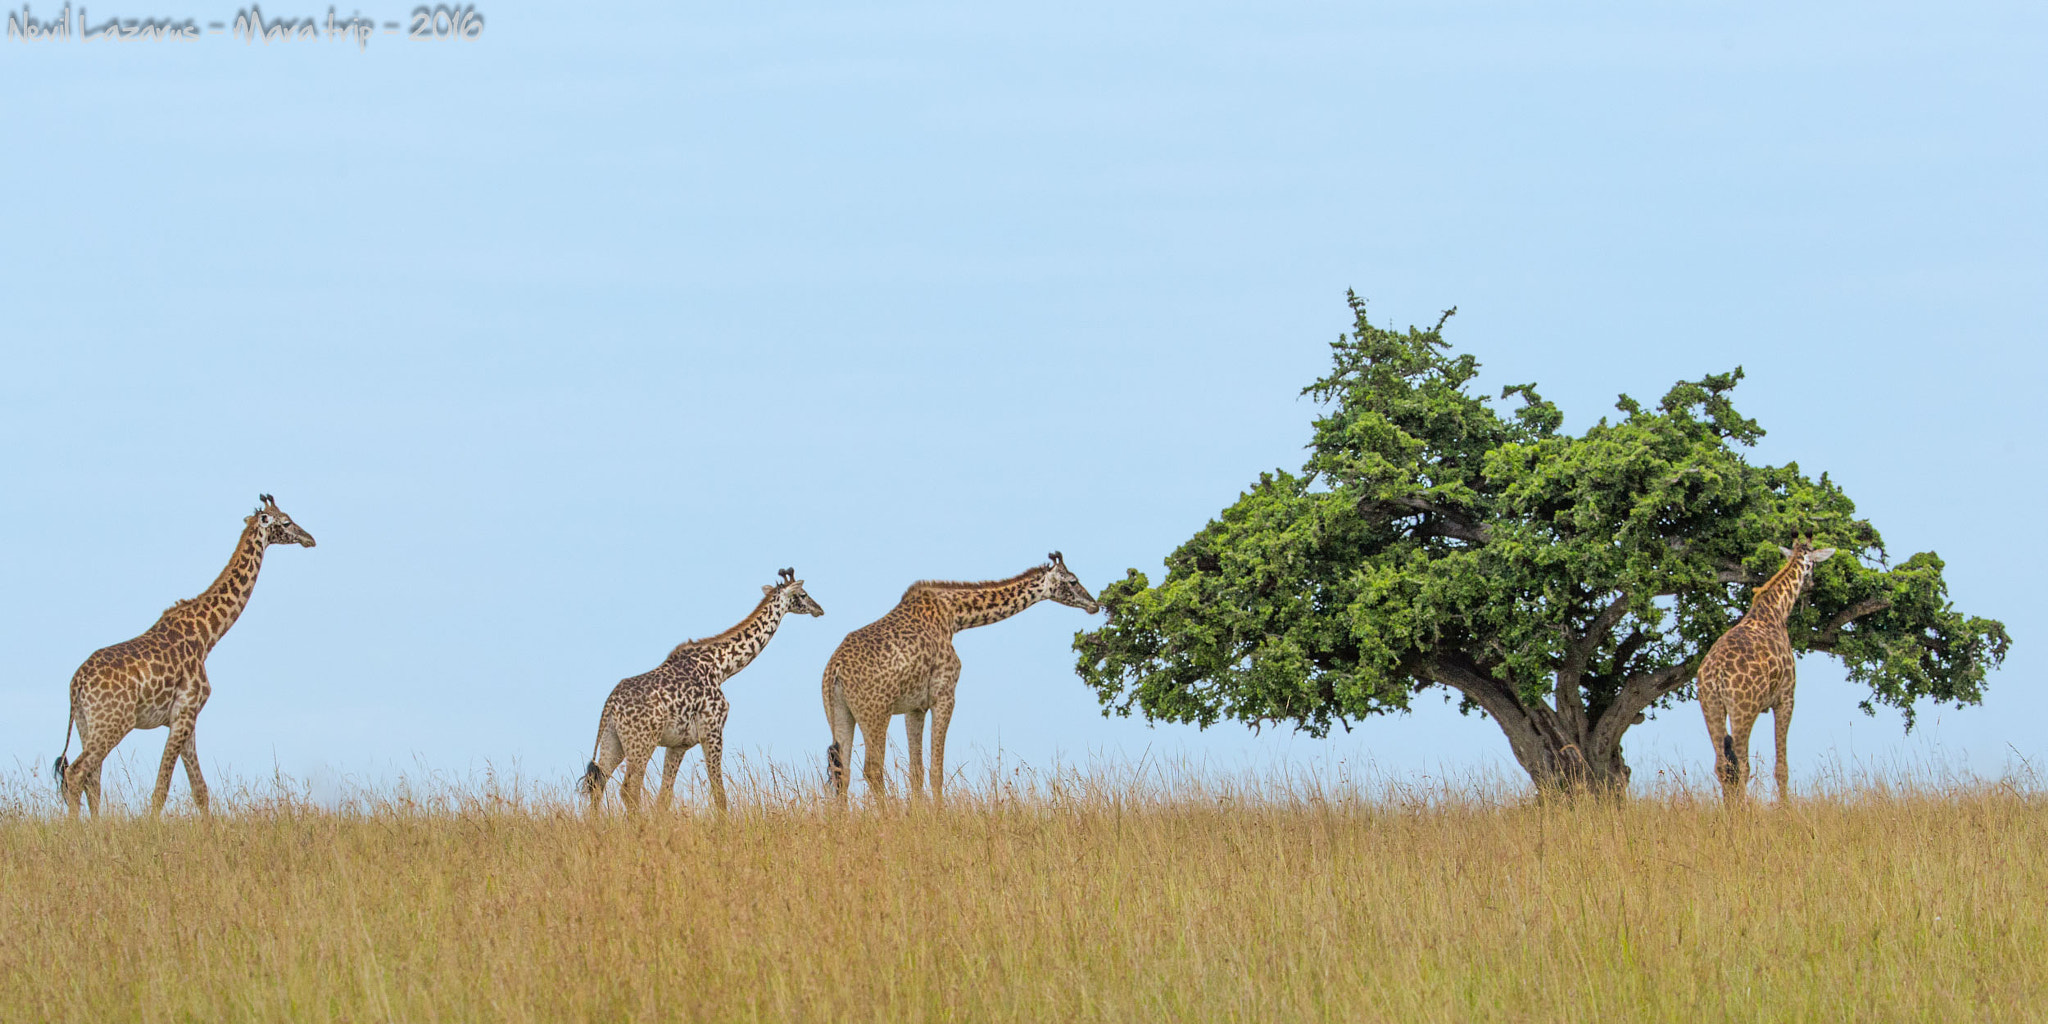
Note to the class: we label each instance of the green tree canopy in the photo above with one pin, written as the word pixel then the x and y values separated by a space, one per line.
pixel 1562 585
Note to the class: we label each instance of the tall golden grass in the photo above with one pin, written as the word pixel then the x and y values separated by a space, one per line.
pixel 1106 894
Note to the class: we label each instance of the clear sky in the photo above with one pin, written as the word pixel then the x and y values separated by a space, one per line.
pixel 563 339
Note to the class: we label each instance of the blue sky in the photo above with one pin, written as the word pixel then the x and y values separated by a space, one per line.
pixel 563 339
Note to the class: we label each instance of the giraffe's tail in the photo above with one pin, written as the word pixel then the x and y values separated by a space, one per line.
pixel 593 777
pixel 59 766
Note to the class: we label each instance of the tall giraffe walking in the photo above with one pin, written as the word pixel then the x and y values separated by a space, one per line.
pixel 904 664
pixel 159 678
pixel 1749 670
pixel 679 704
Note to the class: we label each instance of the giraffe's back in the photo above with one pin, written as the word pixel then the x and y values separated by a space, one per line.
pixel 890 662
pixel 1748 661
pixel 677 702
pixel 135 683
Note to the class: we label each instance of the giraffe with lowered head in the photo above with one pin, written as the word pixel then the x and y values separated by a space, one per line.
pixel 159 678
pixel 1749 670
pixel 679 704
pixel 904 664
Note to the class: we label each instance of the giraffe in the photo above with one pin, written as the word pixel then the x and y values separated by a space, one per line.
pixel 1749 670
pixel 159 678
pixel 904 664
pixel 679 705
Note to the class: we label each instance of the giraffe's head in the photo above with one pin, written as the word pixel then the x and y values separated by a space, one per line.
pixel 790 595
pixel 1803 556
pixel 274 526
pixel 1063 586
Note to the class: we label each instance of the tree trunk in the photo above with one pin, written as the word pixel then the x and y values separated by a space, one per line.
pixel 1578 755
pixel 1555 759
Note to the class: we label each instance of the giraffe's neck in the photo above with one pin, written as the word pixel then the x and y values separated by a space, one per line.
pixel 734 649
pixel 978 604
pixel 1772 605
pixel 209 615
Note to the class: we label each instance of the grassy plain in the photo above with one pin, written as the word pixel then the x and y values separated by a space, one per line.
pixel 1111 895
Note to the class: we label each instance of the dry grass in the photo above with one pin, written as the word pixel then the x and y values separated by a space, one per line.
pixel 1111 895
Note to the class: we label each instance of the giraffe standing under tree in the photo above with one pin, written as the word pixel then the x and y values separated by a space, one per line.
pixel 1749 670
pixel 679 704
pixel 159 678
pixel 904 664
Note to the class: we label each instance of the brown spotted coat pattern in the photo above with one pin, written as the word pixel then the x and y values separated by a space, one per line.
pixel 159 679
pixel 904 664
pixel 1749 671
pixel 679 704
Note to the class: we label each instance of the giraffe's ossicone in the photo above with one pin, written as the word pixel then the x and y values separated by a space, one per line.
pixel 904 664
pixel 159 678
pixel 1750 670
pixel 679 704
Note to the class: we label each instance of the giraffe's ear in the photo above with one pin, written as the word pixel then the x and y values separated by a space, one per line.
pixel 766 590
pixel 1787 552
pixel 1819 556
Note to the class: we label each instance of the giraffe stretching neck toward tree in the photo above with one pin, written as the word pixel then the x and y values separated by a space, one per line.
pixel 679 704
pixel 904 664
pixel 159 678
pixel 1750 670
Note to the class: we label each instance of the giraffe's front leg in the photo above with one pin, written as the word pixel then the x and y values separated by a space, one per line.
pixel 190 756
pixel 184 720
pixel 714 768
pixel 671 759
pixel 1781 723
pixel 913 731
pixel 942 718
pixel 190 752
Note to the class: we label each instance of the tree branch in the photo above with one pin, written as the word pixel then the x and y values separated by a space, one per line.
pixel 1636 695
pixel 1450 522
pixel 1625 651
pixel 1457 671
pixel 1531 729
pixel 1833 630
pixel 1571 707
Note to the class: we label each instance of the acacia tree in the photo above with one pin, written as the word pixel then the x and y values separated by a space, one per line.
pixel 1562 585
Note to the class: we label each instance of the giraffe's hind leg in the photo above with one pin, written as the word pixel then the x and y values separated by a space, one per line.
pixel 874 736
pixel 90 783
pixel 633 785
pixel 1740 725
pixel 609 753
pixel 82 778
pixel 1716 711
pixel 837 757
